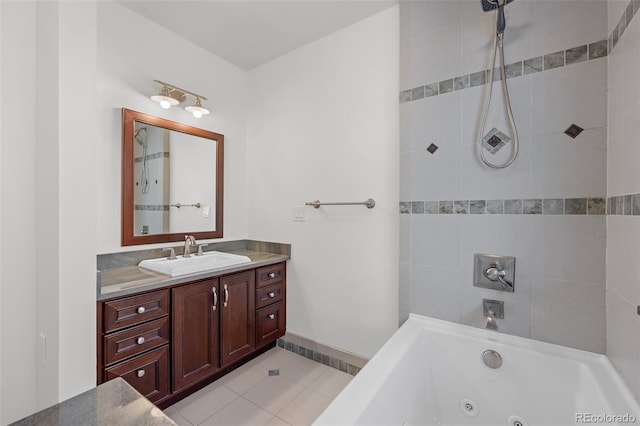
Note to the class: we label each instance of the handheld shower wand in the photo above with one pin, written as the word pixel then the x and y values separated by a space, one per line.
pixel 501 23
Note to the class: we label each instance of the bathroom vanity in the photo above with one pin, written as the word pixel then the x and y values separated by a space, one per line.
pixel 170 336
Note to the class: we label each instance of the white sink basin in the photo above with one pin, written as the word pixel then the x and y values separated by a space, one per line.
pixel 209 261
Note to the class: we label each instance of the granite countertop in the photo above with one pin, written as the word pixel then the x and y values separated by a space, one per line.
pixel 112 403
pixel 124 277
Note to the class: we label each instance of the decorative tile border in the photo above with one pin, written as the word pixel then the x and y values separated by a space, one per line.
pixel 593 206
pixel 574 55
pixel 624 205
pixel 327 360
pixel 152 207
pixel 163 154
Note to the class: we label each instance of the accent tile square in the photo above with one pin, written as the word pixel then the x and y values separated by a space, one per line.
pixel 598 49
pixel 532 206
pixel 627 205
pixel 477 206
pixel 619 205
pixel 446 207
pixel 512 206
pixel 596 206
pixel 432 148
pixel 405 96
pixel 417 93
pixel 615 39
pixel 431 207
pixel 635 202
pixel 554 60
pixel 495 206
pixel 622 26
pixel 553 206
pixel 513 70
pixel 461 206
pixel 445 86
pixel 610 205
pixel 573 131
pixel 460 83
pixel 532 65
pixel 431 90
pixel 417 207
pixel 405 208
pixel 575 206
pixel 629 13
pixel 478 78
pixel 576 54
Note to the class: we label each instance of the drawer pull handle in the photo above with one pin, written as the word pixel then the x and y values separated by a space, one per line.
pixel 226 295
pixel 272 275
pixel 272 294
pixel 140 373
pixel 215 299
pixel 272 316
pixel 140 340
pixel 141 310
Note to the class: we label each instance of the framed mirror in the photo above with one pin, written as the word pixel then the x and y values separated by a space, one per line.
pixel 172 180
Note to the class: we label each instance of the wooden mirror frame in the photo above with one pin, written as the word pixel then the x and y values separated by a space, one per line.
pixel 129 118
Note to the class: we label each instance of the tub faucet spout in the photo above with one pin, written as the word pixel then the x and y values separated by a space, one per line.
pixel 491 321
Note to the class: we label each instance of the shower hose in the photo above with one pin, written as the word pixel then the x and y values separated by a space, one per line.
pixel 498 45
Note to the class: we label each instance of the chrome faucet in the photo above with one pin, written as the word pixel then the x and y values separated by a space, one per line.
pixel 491 321
pixel 189 241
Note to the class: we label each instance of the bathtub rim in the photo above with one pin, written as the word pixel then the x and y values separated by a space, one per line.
pixel 351 403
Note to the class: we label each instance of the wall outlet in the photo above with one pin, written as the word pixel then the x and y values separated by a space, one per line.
pixel 206 211
pixel 298 214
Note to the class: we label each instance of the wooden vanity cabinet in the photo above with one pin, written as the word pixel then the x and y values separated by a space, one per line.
pixel 195 335
pixel 237 316
pixel 169 343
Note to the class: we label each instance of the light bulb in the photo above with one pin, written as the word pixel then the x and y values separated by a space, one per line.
pixel 197 114
pixel 165 104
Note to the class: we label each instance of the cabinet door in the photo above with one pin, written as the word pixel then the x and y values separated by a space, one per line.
pixel 195 332
pixel 237 315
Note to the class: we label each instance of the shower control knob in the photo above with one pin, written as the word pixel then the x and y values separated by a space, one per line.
pixel 493 273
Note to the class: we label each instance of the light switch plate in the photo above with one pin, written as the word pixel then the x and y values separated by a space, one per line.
pixel 206 211
pixel 298 214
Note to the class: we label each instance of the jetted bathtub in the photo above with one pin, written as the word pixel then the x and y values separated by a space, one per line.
pixel 431 372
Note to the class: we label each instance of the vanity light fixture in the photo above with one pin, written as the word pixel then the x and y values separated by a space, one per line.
pixel 171 95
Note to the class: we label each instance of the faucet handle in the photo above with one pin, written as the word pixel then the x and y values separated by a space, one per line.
pixel 172 254
pixel 200 249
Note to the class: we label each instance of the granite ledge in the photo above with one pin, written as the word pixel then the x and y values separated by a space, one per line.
pixel 121 276
pixel 112 403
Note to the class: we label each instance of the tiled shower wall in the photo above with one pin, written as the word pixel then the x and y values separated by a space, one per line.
pixel 547 209
pixel 623 186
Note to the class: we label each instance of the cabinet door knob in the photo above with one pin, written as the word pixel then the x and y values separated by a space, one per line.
pixel 272 316
pixel 141 310
pixel 140 373
pixel 272 275
pixel 272 294
pixel 140 340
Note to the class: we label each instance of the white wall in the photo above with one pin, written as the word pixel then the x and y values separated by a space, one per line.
pixel 323 125
pixel 623 177
pixel 560 260
pixel 133 51
pixel 48 239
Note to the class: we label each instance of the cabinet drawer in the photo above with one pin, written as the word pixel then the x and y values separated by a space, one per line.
pixel 268 295
pixel 135 340
pixel 148 374
pixel 268 275
pixel 135 310
pixel 270 323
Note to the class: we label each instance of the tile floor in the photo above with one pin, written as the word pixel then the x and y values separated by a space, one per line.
pixel 250 396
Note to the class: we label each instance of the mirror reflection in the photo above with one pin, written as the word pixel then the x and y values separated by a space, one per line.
pixel 172 180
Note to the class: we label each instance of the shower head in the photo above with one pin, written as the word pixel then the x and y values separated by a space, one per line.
pixel 139 138
pixel 488 5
